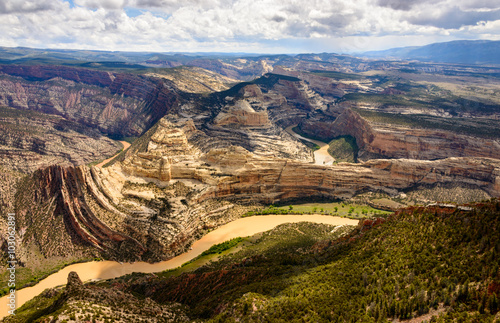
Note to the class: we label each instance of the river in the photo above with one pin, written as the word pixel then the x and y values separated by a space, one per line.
pixel 104 162
pixel 321 156
pixel 111 269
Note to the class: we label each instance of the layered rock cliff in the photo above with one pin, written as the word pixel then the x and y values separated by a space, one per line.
pixel 167 192
pixel 30 140
pixel 281 180
pixel 117 104
pixel 378 140
pixel 201 166
pixel 53 213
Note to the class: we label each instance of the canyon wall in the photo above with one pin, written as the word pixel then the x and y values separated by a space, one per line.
pixel 30 140
pixel 167 192
pixel 281 180
pixel 121 213
pixel 117 104
pixel 393 141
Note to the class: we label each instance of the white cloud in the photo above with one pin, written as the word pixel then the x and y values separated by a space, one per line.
pixel 20 6
pixel 243 25
pixel 106 4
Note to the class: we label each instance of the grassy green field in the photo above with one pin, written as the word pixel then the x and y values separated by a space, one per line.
pixel 334 208
pixel 344 149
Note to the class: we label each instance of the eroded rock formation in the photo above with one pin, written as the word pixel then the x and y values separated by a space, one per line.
pixel 30 140
pixel 167 193
pixel 377 140
pixel 208 161
pixel 115 103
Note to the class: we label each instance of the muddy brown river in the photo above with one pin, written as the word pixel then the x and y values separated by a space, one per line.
pixel 111 269
pixel 321 156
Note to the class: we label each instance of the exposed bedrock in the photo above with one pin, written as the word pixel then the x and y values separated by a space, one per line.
pixel 269 182
pixel 391 141
pixel 30 140
pixel 56 211
pixel 117 104
pixel 167 192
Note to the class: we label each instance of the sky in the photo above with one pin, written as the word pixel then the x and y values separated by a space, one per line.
pixel 250 26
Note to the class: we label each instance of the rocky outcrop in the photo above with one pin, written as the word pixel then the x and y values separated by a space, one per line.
pixel 47 72
pixel 239 69
pixel 167 145
pixel 167 191
pixel 238 175
pixel 89 302
pixel 62 190
pixel 376 140
pixel 327 86
pixel 242 113
pixel 117 104
pixel 30 140
pixel 270 182
pixel 74 285
pixel 195 79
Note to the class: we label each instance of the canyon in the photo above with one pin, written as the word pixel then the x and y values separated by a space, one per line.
pixel 167 193
pixel 205 150
pixel 381 140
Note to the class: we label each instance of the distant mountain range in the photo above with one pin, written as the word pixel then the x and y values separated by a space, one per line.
pixel 459 52
pixel 484 52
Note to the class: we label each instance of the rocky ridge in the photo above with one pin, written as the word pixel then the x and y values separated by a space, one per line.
pixel 158 200
pixel 195 79
pixel 86 303
pixel 31 140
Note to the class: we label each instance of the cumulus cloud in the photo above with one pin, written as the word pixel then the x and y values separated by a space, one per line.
pixel 21 6
pixel 106 4
pixel 480 4
pixel 402 4
pixel 454 17
pixel 234 25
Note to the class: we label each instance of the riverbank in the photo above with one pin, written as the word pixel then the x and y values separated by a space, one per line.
pixel 111 269
pixel 321 155
pixel 125 146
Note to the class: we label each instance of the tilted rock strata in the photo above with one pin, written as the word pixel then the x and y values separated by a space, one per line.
pixel 195 79
pixel 167 192
pixel 115 103
pixel 242 113
pixel 64 187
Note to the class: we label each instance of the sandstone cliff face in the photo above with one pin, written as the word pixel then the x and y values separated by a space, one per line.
pixel 65 224
pixel 392 141
pixel 239 69
pixel 281 180
pixel 115 103
pixel 328 87
pixel 167 192
pixel 167 145
pixel 197 168
pixel 250 116
pixel 242 113
pixel 195 79
pixel 31 140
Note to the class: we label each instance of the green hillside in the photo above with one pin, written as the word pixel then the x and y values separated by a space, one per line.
pixel 437 263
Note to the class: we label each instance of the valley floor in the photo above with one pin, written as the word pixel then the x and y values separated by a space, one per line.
pixel 111 269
